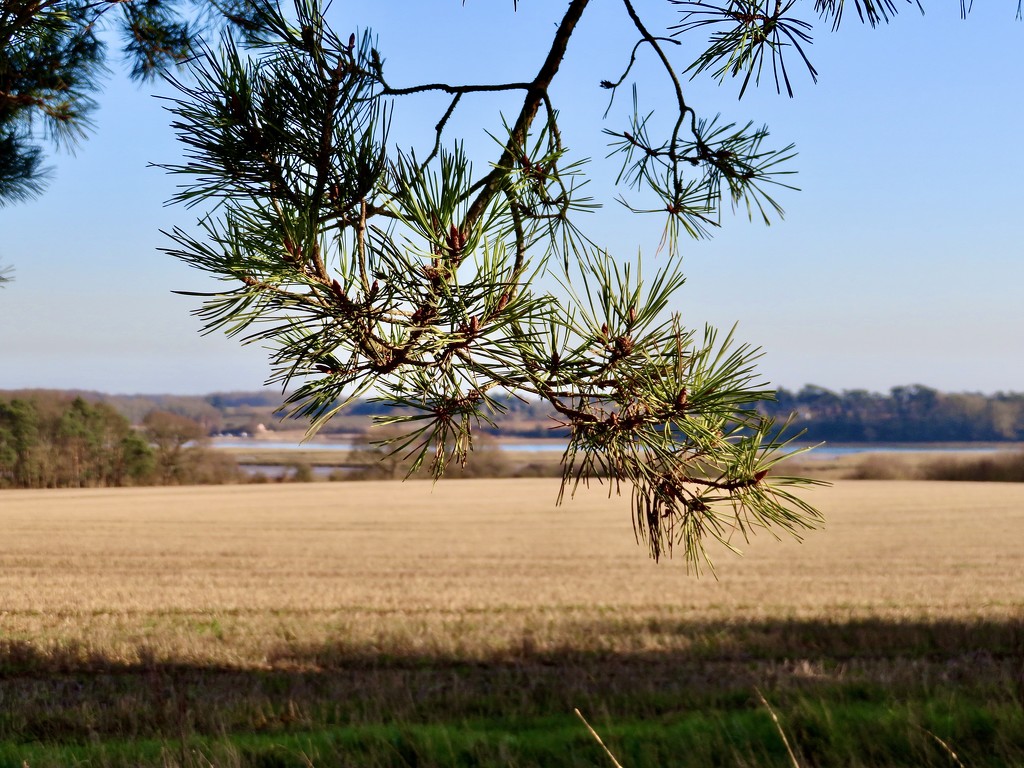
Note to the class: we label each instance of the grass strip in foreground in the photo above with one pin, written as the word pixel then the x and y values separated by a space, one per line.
pixel 849 734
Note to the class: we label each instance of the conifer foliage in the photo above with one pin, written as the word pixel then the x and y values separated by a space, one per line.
pixel 53 57
pixel 424 280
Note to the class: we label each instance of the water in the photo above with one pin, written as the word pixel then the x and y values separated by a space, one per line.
pixel 281 471
pixel 835 451
pixel 276 445
pixel 827 451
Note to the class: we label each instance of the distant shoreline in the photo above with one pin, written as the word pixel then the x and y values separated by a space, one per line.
pixel 294 439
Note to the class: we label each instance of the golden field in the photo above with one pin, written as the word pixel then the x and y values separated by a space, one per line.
pixel 249 576
pixel 396 624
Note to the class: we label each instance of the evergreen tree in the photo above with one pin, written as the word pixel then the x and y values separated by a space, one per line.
pixel 52 61
pixel 50 442
pixel 19 444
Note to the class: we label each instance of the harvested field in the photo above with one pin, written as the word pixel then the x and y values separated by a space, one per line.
pixel 285 610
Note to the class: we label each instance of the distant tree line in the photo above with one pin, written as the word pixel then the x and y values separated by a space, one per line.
pixel 57 441
pixel 907 414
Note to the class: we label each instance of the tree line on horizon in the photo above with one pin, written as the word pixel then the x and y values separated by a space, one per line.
pixel 905 414
pixel 54 441
pixel 59 439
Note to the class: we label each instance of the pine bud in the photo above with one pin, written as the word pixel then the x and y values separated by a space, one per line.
pixel 668 490
pixel 338 290
pixel 291 247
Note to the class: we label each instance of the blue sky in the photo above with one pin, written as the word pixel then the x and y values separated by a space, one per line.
pixel 898 262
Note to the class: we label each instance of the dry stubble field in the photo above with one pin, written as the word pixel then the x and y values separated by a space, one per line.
pixel 301 607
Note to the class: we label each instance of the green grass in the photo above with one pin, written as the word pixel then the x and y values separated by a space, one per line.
pixel 824 732
pixel 861 694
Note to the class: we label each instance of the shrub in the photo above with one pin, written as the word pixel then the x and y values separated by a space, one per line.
pixel 877 466
pixel 1007 467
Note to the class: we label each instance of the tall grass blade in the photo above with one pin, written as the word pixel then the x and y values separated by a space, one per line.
pixel 597 738
pixel 778 727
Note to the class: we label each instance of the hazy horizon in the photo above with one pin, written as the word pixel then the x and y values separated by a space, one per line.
pixel 252 390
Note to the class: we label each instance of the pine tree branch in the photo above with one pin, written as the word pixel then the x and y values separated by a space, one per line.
pixel 455 90
pixel 535 96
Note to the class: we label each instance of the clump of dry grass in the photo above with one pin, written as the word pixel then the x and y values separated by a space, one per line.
pixel 1001 467
pixel 879 466
pixel 997 468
